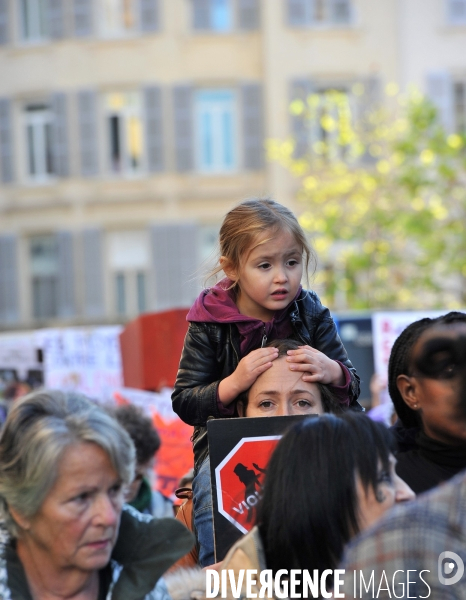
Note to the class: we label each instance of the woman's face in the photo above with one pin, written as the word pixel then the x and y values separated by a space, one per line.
pixel 390 490
pixel 437 401
pixel 77 524
pixel 280 392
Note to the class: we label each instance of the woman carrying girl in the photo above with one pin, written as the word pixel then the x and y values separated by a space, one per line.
pixel 264 254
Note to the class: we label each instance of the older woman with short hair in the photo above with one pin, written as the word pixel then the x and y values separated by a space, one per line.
pixel 64 464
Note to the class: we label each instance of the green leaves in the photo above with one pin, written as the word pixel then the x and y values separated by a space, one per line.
pixel 383 196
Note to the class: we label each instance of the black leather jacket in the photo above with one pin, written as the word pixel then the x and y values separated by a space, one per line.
pixel 211 353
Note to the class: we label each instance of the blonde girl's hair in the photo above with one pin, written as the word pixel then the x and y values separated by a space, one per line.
pixel 247 221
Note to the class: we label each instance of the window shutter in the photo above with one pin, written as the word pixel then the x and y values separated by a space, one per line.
pixel 6 141
pixel 253 129
pixel 149 15
pixel 340 11
pixel 201 14
pixel 154 128
pixel 300 90
pixel 66 271
pixel 60 135
pixel 83 18
pixel 93 273
pixel 248 14
pixel 56 19
pixel 457 11
pixel 174 264
pixel 4 22
pixel 440 92
pixel 182 106
pixel 298 12
pixel 87 119
pixel 9 299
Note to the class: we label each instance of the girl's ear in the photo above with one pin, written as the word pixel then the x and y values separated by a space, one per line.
pixel 407 388
pixel 228 269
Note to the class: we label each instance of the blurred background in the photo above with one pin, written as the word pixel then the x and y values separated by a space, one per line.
pixel 128 128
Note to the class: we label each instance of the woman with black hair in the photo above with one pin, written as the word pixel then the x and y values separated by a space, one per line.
pixel 431 443
pixel 317 497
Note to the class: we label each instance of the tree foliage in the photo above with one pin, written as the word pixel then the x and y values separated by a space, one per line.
pixel 383 195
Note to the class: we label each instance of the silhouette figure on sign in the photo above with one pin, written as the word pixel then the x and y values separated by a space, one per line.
pixel 250 479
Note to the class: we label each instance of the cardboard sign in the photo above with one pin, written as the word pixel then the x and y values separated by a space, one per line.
pixel 240 450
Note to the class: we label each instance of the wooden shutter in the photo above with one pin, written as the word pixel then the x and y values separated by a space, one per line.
pixel 88 139
pixel 56 18
pixel 174 264
pixel 154 128
pixel 149 15
pixel 182 107
pixel 249 14
pixel 457 11
pixel 9 298
pixel 300 90
pixel 60 135
pixel 6 141
pixel 253 129
pixel 66 274
pixel 93 273
pixel 440 92
pixel 83 18
pixel 4 22
pixel 340 11
pixel 201 14
pixel 298 12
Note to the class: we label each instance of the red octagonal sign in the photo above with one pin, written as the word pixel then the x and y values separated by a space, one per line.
pixel 239 479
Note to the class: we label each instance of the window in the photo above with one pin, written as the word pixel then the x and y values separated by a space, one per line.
pixel 118 17
pixel 33 20
pixel 124 131
pixel 129 254
pixel 215 15
pixel 39 141
pixel 319 12
pixel 215 131
pixel 43 252
pixel 457 12
pixel 459 98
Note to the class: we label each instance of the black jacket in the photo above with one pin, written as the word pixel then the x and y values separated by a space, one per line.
pixel 211 353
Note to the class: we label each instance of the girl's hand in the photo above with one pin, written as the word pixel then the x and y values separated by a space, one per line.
pixel 317 366
pixel 246 373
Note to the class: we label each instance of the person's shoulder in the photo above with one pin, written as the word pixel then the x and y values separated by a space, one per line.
pixel 429 521
pixel 309 302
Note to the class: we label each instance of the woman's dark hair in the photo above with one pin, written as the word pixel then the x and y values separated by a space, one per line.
pixel 330 402
pixel 400 362
pixel 309 509
pixel 141 430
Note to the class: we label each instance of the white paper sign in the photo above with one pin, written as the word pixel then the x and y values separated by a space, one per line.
pixel 85 360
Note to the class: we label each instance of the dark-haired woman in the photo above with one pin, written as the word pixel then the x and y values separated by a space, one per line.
pixel 432 445
pixel 311 508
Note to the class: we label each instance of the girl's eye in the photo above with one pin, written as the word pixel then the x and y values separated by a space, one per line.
pixel 293 262
pixel 264 266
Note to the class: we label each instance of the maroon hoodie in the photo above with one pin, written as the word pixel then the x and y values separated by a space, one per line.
pixel 217 305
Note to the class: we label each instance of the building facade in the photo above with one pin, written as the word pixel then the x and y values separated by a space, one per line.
pixel 128 128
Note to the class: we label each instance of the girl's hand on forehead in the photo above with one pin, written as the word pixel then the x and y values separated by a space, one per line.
pixel 316 365
pixel 248 370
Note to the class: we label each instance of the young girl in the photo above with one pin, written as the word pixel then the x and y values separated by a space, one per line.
pixel 264 253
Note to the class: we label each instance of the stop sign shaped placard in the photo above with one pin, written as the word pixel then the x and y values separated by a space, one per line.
pixel 239 479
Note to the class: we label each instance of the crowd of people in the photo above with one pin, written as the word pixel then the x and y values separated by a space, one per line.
pixel 79 519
